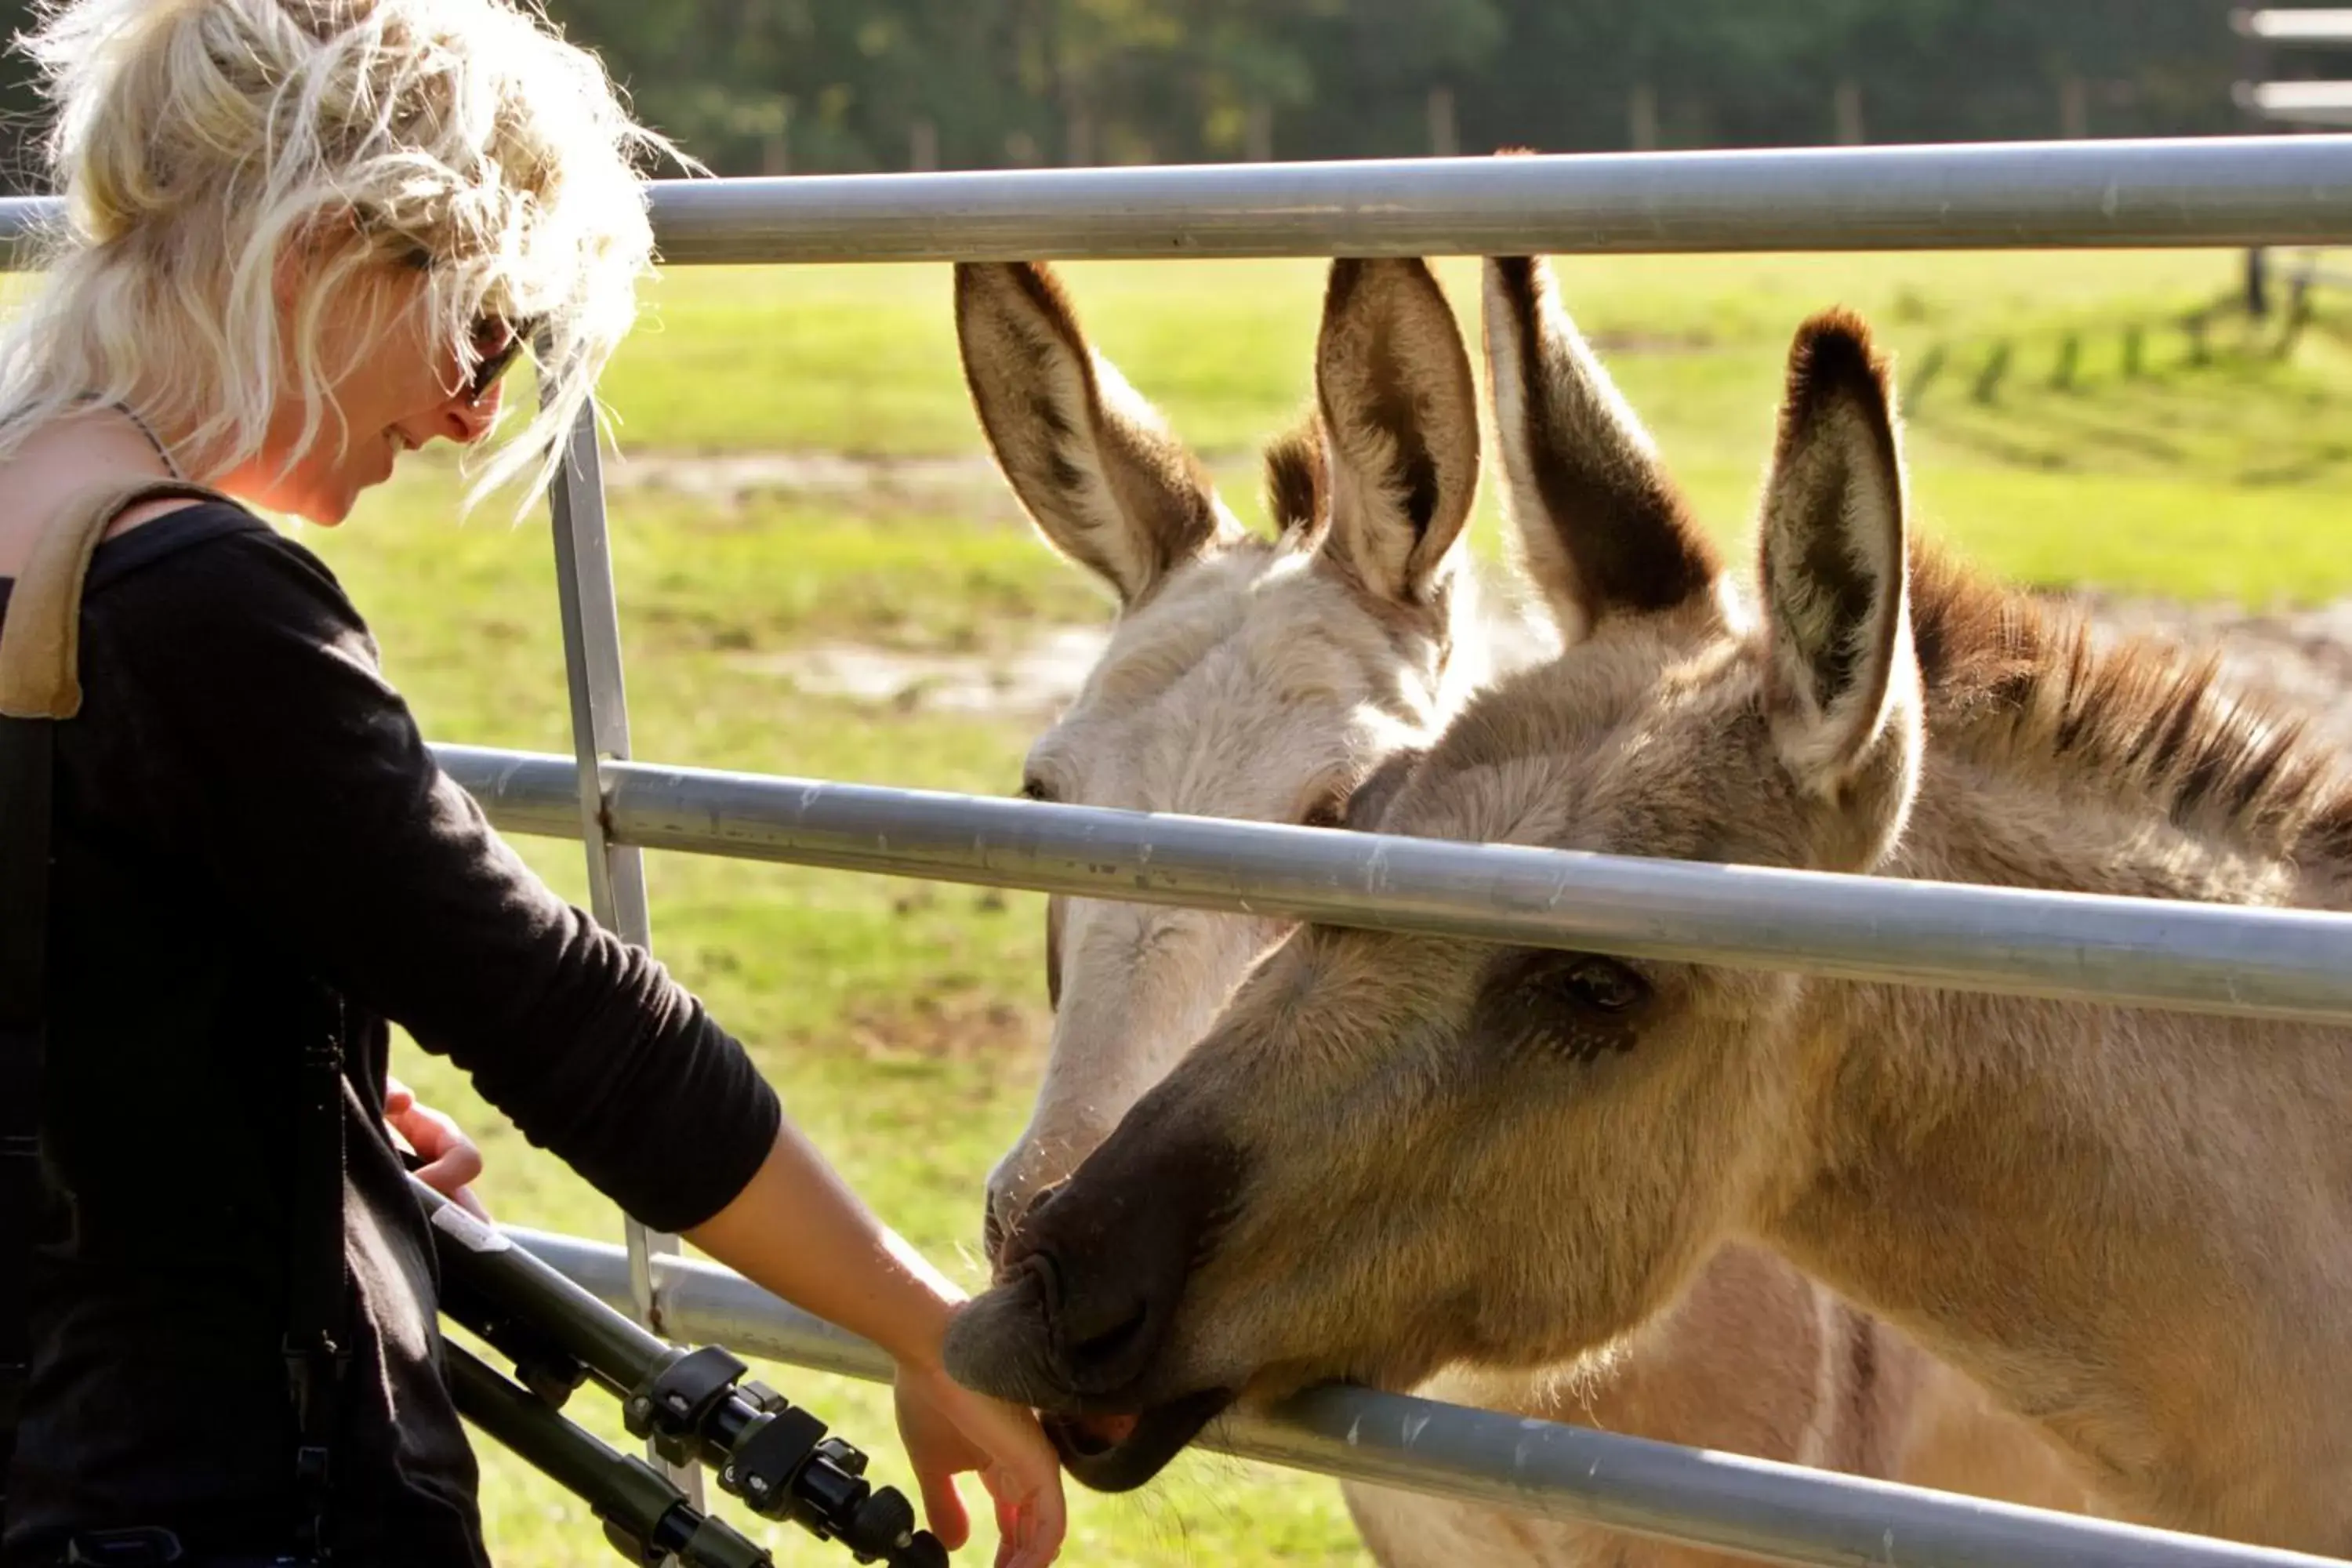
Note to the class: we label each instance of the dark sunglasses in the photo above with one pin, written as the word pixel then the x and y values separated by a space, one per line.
pixel 496 342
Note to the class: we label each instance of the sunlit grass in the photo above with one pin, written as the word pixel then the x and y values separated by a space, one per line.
pixel 2230 476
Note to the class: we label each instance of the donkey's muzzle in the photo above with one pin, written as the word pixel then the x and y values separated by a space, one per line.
pixel 1089 1284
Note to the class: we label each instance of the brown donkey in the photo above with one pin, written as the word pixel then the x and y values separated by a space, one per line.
pixel 1269 680
pixel 1395 1152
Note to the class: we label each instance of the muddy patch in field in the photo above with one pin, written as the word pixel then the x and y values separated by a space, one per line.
pixel 952 1028
pixel 869 483
pixel 2302 657
pixel 965 485
pixel 1033 679
pixel 1029 679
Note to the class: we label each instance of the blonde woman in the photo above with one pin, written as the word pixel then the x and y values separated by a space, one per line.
pixel 305 237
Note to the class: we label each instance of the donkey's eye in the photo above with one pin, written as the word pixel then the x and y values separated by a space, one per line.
pixel 1545 1006
pixel 1603 985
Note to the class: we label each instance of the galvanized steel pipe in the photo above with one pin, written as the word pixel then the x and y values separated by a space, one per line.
pixel 1774 1512
pixel 2287 964
pixel 2179 192
pixel 2190 191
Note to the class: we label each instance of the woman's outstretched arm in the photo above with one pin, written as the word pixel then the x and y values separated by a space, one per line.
pixel 797 1230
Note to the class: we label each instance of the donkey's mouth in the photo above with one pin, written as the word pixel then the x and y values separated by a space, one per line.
pixel 1119 1453
pixel 1113 1439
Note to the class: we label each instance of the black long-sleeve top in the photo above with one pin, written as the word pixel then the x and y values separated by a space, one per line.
pixel 248 820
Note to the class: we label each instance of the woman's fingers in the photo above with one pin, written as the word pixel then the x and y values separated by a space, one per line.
pixel 1030 1511
pixel 453 1176
pixel 948 1429
pixel 451 1161
pixel 943 1508
pixel 437 1139
pixel 1016 1534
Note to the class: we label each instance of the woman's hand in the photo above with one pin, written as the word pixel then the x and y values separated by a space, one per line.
pixel 451 1161
pixel 948 1429
pixel 797 1230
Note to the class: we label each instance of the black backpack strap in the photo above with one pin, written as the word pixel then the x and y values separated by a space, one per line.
pixel 318 1276
pixel 40 685
pixel 26 746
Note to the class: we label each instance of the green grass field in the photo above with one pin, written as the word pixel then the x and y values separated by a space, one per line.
pixel 903 1022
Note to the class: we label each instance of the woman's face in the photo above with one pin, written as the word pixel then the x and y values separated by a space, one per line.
pixel 403 388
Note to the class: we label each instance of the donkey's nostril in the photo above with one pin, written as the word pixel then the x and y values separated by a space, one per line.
pixel 1038 1200
pixel 1005 1220
pixel 992 1228
pixel 1004 1210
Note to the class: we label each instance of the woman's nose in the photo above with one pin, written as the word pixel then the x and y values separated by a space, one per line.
pixel 466 421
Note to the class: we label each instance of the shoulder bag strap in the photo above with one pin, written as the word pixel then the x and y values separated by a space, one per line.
pixel 40 642
pixel 40 685
pixel 318 1280
pixel 25 769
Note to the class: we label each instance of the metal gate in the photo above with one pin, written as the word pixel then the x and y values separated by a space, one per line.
pixel 2223 192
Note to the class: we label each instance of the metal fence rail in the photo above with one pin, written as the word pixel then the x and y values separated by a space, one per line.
pixel 2210 191
pixel 2188 192
pixel 2292 963
pixel 1780 1513
pixel 591 617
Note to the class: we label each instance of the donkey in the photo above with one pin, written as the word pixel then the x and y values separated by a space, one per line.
pixel 1273 680
pixel 2130 1225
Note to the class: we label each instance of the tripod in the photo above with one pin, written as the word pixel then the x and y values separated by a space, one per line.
pixel 694 1404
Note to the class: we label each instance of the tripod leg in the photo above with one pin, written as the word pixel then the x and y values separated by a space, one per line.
pixel 694 1402
pixel 646 1515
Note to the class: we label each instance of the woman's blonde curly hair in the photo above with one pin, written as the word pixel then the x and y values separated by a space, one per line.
pixel 198 143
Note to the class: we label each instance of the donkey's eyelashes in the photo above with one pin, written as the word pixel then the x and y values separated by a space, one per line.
pixel 1600 984
pixel 1573 1006
pixel 1585 985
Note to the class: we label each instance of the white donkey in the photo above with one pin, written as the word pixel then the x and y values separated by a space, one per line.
pixel 1272 680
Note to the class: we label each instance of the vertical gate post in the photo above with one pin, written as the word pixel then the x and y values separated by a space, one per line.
pixel 600 733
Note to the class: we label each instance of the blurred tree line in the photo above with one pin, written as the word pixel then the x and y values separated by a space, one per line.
pixel 791 85
pixel 777 85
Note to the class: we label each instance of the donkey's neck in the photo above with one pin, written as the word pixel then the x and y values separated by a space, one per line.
pixel 2135 1226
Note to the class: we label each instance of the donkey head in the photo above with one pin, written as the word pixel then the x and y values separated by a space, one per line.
pixel 1245 678
pixel 1391 1153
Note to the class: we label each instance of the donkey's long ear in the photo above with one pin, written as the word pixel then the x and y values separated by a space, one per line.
pixel 1602 530
pixel 1092 461
pixel 1400 417
pixel 1842 684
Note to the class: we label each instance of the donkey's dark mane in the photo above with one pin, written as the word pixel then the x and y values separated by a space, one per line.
pixel 2006 675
